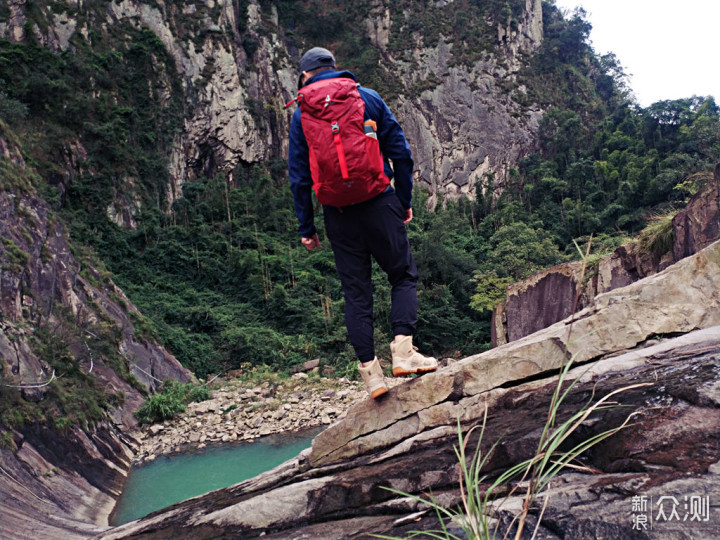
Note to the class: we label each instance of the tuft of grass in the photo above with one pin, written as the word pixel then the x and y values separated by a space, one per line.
pixel 17 259
pixel 63 423
pixel 657 237
pixel 262 374
pixel 14 178
pixel 7 441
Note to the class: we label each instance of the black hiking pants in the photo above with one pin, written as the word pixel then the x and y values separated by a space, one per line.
pixel 373 228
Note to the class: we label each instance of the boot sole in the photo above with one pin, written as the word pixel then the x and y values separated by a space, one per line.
pixel 378 392
pixel 400 372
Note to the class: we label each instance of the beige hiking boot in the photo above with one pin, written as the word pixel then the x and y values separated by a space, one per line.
pixel 372 375
pixel 406 360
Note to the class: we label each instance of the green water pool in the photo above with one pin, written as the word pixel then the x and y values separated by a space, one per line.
pixel 171 479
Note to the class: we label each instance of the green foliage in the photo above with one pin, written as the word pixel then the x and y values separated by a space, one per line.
pixel 144 327
pixel 12 177
pixel 72 397
pixel 224 281
pixel 62 423
pixel 114 100
pixel 519 250
pixel 160 407
pixel 7 441
pixel 12 110
pixel 15 256
pixel 170 401
pixel 489 291
pixel 608 180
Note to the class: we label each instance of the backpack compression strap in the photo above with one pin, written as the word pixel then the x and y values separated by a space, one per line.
pixel 340 150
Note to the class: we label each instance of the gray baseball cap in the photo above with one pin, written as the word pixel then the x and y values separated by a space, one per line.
pixel 315 58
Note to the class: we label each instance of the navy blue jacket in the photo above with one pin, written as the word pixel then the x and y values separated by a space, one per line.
pixel 393 145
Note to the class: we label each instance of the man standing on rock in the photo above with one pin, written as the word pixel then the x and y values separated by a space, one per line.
pixel 341 138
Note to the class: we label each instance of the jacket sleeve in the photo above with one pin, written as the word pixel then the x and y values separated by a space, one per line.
pixel 393 145
pixel 300 178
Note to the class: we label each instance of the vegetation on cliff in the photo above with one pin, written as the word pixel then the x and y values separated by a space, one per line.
pixel 68 345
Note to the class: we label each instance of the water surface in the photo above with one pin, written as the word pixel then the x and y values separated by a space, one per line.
pixel 171 479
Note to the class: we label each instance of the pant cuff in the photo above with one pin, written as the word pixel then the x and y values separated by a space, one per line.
pixel 403 331
pixel 364 358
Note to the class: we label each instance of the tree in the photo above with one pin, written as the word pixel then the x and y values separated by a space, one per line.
pixel 490 289
pixel 519 251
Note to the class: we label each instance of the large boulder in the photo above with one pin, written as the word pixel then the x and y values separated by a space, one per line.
pixel 656 341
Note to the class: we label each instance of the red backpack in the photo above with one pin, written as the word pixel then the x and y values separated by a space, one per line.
pixel 346 164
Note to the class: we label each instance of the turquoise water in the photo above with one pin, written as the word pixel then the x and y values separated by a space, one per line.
pixel 171 479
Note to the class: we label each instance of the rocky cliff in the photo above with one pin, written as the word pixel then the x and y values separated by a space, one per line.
pixel 237 67
pixel 465 126
pixel 73 368
pixel 656 341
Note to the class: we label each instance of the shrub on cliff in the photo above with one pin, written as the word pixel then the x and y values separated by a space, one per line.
pixel 170 401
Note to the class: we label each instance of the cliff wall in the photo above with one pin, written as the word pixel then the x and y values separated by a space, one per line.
pixel 73 369
pixel 238 66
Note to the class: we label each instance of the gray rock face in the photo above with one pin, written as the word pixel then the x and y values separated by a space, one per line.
pixel 670 388
pixel 548 297
pixel 553 294
pixel 466 127
pixel 62 487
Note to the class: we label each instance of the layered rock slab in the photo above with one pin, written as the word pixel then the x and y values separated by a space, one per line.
pixel 678 300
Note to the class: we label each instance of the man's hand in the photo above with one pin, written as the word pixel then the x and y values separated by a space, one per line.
pixel 312 242
pixel 408 216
